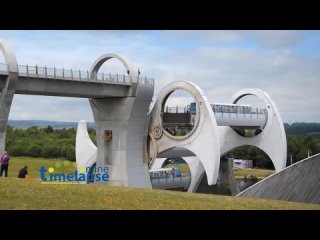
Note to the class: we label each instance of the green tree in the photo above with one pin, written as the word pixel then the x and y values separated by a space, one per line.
pixel 34 150
pixel 49 129
pixel 50 151
pixel 71 155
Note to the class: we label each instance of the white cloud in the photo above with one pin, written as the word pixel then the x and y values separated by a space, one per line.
pixel 26 107
pixel 277 38
pixel 291 79
pixel 213 36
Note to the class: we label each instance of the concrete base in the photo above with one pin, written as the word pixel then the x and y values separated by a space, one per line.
pixel 226 183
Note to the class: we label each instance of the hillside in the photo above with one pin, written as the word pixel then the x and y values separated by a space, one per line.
pixel 302 128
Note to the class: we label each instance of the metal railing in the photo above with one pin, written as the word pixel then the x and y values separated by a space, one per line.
pixel 3 67
pixel 75 75
pixel 253 113
pixel 224 112
pixel 176 109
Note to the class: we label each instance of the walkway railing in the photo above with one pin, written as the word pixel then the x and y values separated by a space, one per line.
pixel 252 113
pixel 75 75
pixel 235 112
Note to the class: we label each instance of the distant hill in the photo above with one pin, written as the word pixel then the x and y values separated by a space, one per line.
pixel 302 128
pixel 43 124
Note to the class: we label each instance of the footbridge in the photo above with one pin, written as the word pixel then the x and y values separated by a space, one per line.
pixel 36 80
pixel 119 103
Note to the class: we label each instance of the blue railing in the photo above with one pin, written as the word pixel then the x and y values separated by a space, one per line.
pixel 77 75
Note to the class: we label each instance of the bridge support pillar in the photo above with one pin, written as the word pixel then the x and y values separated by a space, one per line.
pixel 122 128
pixel 226 183
pixel 8 90
pixel 5 105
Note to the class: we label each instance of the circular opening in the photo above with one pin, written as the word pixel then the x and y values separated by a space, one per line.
pixel 173 174
pixel 179 114
pixel 113 70
pixel 250 165
pixel 251 116
pixel 178 163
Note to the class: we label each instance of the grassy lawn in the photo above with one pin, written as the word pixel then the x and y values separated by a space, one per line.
pixel 259 173
pixel 34 164
pixel 30 193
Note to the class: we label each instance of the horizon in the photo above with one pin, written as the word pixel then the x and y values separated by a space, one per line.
pixel 94 121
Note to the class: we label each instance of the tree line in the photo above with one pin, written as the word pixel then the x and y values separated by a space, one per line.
pixel 43 142
pixel 298 148
pixel 60 143
pixel 301 128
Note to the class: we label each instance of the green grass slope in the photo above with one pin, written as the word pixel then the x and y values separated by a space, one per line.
pixel 34 164
pixel 30 193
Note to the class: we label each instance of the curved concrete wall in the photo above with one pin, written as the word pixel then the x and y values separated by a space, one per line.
pixel 299 182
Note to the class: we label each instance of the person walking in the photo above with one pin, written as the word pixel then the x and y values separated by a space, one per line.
pixel 4 160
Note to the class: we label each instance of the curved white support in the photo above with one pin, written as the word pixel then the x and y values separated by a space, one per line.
pixel 197 172
pixel 157 163
pixel 272 140
pixel 132 72
pixel 8 89
pixel 203 140
pixel 86 151
pixel 9 56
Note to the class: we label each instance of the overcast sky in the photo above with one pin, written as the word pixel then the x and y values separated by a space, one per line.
pixel 285 64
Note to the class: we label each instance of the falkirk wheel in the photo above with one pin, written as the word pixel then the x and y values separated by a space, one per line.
pixel 133 142
pixel 216 131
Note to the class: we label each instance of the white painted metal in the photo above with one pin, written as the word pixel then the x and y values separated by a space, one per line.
pixel 86 151
pixel 272 140
pixel 8 89
pixel 202 147
pixel 203 140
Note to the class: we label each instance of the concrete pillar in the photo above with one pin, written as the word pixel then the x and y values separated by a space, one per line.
pixel 123 151
pixel 226 183
pixel 122 129
pixel 8 90
pixel 5 105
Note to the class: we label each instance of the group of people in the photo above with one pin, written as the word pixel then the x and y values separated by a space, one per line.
pixel 4 161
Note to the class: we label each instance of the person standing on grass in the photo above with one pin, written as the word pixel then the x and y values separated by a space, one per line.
pixel 4 160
